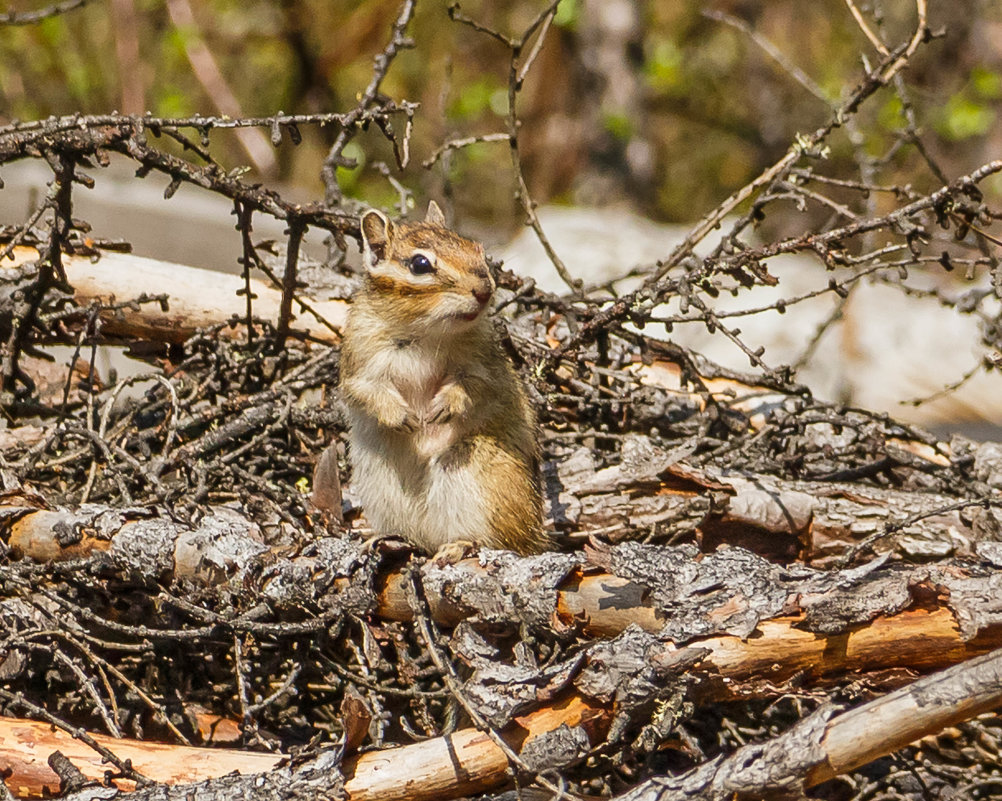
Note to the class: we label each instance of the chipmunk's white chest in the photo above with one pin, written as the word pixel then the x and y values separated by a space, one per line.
pixel 417 376
pixel 416 371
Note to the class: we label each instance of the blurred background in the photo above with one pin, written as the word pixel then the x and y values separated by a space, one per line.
pixel 642 115
pixel 653 104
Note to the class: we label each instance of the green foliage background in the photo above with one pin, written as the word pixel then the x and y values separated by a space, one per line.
pixel 715 108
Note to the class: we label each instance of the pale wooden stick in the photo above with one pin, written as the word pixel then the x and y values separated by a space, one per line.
pixel 929 705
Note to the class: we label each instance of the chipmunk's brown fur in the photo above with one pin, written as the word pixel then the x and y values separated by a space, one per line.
pixel 442 440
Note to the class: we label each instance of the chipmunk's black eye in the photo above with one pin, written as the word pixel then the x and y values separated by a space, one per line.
pixel 420 264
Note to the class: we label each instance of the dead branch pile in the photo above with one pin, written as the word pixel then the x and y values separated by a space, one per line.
pixel 746 570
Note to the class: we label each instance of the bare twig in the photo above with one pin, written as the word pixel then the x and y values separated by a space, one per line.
pixel 457 144
pixel 518 68
pixel 891 65
pixel 866 29
pixel 774 52
pixel 642 300
pixel 296 231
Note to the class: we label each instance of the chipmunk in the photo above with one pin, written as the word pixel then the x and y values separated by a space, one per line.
pixel 442 439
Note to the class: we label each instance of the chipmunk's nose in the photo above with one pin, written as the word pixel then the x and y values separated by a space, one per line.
pixel 482 294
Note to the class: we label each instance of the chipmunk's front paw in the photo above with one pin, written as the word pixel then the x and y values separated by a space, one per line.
pixel 449 402
pixel 399 417
pixel 408 424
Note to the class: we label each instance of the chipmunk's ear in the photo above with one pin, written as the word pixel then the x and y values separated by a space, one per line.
pixel 434 215
pixel 377 234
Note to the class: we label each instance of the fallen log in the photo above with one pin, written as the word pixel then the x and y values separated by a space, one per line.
pixel 814 521
pixel 25 747
pixel 196 298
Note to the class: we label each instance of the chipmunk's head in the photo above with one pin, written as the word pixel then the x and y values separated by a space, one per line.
pixel 425 272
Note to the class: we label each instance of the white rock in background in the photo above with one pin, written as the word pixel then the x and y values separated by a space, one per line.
pixel 886 348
